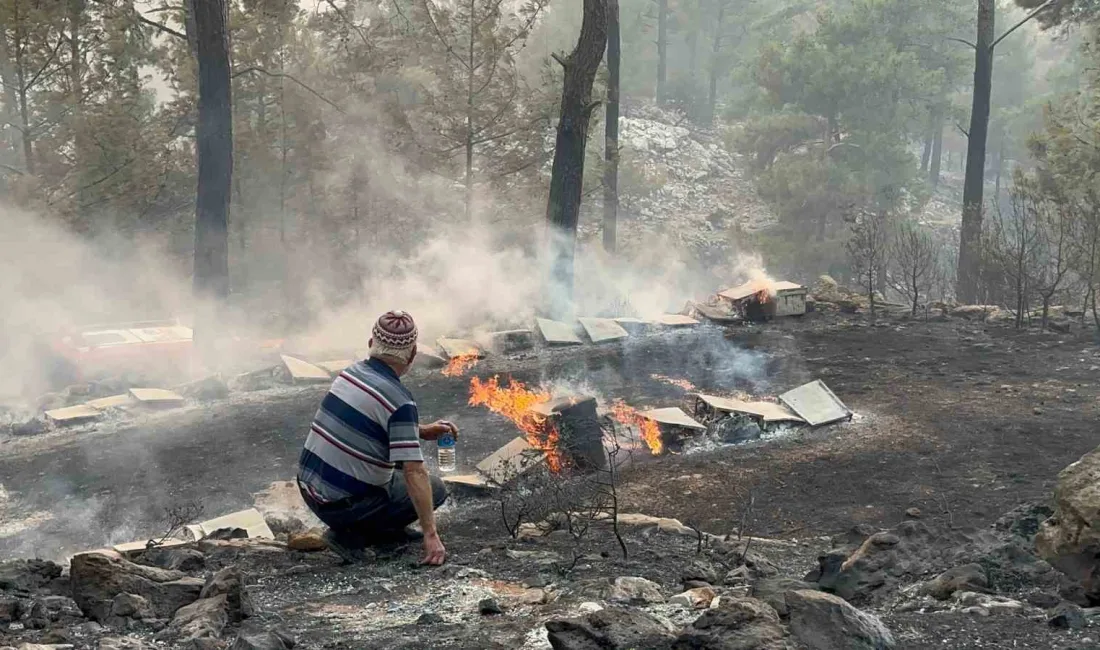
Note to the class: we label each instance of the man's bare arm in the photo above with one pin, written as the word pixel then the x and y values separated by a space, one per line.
pixel 420 492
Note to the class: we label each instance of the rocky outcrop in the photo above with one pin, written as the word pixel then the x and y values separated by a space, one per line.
pixel 1070 539
pixel 96 578
pixel 773 591
pixel 735 624
pixel 878 563
pixel 822 621
pixel 28 577
pixel 614 628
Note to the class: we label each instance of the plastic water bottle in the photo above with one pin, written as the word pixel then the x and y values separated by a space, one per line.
pixel 446 445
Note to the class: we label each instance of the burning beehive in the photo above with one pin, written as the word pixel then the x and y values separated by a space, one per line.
pixel 761 300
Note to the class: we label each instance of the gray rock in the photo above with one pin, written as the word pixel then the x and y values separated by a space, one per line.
pixel 230 583
pixel 123 643
pixel 273 639
pixel 613 628
pixel 175 559
pixel 28 576
pixel 773 591
pixel 1070 539
pixel 131 606
pixel 207 388
pixel 204 618
pixel 823 621
pixel 282 523
pixel 968 577
pixel 489 607
pixel 11 609
pixel 1067 616
pixel 700 571
pixel 97 577
pixel 635 590
pixel 735 624
pixel 879 562
pixel 429 618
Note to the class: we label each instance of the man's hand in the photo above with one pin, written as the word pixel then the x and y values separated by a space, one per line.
pixel 437 429
pixel 434 552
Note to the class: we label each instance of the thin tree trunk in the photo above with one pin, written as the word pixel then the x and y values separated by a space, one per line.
pixel 10 100
pixel 1000 165
pixel 21 93
pixel 611 131
pixel 470 120
pixel 974 185
pixel 76 76
pixel 937 150
pixel 214 136
pixel 662 50
pixel 567 175
pixel 926 152
pixel 715 48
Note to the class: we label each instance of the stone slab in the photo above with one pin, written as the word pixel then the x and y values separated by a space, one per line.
pixel 112 402
pixel 816 404
pixel 74 414
pixel 303 370
pixel 460 348
pixel 672 416
pixel 767 411
pixel 676 320
pixel 476 481
pixel 156 396
pixel 250 520
pixel 557 333
pixel 133 548
pixel 603 329
pixel 511 460
pixel 335 366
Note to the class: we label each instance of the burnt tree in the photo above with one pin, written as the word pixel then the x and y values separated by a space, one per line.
pixel 567 176
pixel 611 131
pixel 214 135
pixel 662 51
pixel 973 186
pixel 970 235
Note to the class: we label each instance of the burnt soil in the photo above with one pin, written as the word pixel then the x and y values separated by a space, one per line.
pixel 961 420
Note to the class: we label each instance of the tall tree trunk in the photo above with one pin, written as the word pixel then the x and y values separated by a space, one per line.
pixel 937 152
pixel 611 131
pixel 973 187
pixel 76 88
pixel 21 90
pixel 926 151
pixel 662 50
pixel 10 102
pixel 715 48
pixel 470 119
pixel 567 175
pixel 1000 163
pixel 214 136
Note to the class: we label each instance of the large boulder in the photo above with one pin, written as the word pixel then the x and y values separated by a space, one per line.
pixel 735 624
pixel 1070 539
pixel 96 578
pixel 773 591
pixel 613 628
pixel 230 583
pixel 629 589
pixel 879 563
pixel 27 577
pixel 204 618
pixel 821 621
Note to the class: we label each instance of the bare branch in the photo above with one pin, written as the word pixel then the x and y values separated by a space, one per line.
pixel 964 42
pixel 1020 24
pixel 284 75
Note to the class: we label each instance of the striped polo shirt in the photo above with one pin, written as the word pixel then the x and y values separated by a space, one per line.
pixel 366 423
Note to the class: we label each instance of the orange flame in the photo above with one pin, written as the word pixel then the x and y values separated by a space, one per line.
pixel 515 402
pixel 460 365
pixel 680 383
pixel 625 414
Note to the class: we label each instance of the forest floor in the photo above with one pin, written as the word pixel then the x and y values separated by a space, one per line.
pixel 961 420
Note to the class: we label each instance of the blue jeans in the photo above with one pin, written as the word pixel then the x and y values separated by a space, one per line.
pixel 383 512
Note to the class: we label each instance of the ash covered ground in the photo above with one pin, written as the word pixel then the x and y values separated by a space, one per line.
pixel 959 423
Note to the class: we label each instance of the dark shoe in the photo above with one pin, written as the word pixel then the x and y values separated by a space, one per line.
pixel 351 551
pixel 394 537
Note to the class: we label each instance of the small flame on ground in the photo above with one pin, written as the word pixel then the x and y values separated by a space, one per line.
pixel 625 414
pixel 680 383
pixel 460 365
pixel 514 402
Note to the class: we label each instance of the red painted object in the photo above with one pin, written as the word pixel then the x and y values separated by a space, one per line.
pixel 144 348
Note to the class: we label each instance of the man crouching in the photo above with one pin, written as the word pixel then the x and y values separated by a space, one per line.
pixel 368 425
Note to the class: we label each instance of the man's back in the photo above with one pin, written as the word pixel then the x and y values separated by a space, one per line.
pixel 366 423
